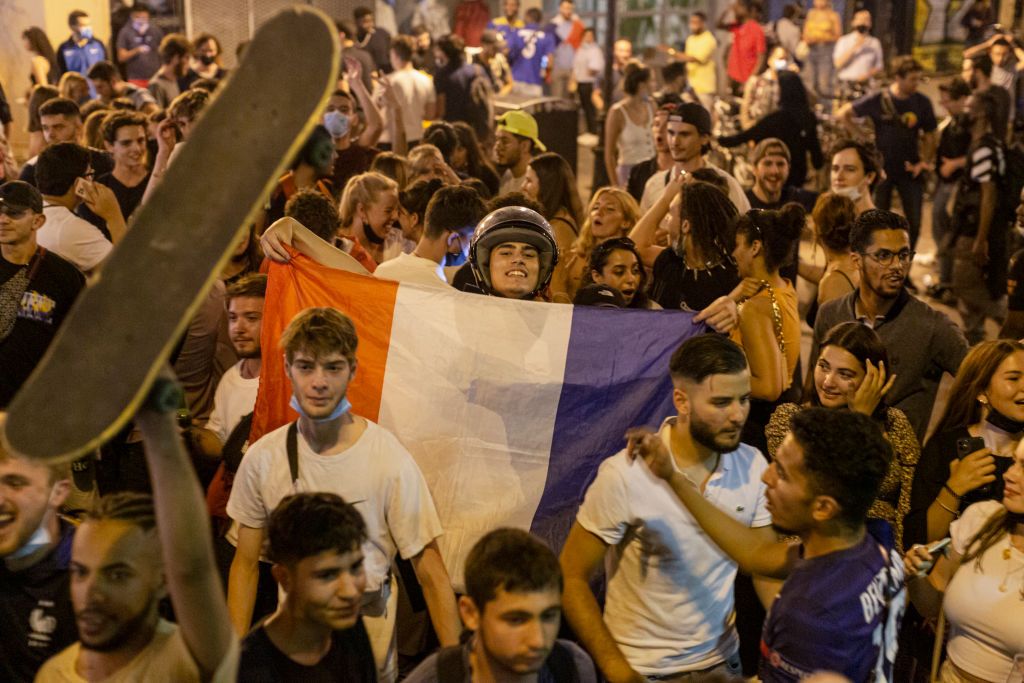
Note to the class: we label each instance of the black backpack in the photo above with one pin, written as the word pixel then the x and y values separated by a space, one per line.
pixel 560 663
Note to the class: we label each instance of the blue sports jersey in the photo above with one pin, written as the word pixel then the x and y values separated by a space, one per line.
pixel 529 49
pixel 838 612
pixel 73 57
pixel 507 30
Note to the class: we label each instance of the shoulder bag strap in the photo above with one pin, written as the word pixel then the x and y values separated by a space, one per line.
pixel 292 445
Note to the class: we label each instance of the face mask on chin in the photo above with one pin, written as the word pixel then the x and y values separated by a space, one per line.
pixel 853 193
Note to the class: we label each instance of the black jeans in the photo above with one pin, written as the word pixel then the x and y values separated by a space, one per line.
pixel 911 195
pixel 585 92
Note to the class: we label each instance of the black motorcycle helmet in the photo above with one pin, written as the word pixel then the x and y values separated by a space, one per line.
pixel 513 224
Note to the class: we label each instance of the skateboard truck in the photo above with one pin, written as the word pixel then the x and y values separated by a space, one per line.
pixel 165 396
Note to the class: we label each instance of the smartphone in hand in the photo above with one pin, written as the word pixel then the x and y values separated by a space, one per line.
pixel 84 188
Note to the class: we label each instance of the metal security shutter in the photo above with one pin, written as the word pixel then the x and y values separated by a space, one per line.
pixel 234 21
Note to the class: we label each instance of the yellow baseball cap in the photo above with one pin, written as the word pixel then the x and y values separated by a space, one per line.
pixel 521 123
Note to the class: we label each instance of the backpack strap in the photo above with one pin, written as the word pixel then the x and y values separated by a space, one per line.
pixel 889 111
pixel 450 668
pixel 562 665
pixel 292 445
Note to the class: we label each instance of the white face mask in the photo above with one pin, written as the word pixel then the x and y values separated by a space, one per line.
pixel 852 192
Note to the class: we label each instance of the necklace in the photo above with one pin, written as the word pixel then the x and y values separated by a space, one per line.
pixel 776 312
pixel 1008 556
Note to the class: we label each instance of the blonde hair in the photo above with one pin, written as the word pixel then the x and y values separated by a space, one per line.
pixel 363 189
pixel 68 81
pixel 421 160
pixel 94 128
pixel 586 242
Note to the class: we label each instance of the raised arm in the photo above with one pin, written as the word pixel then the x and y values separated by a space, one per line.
pixel 395 120
pixel 751 549
pixel 612 131
pixel 374 119
pixel 186 543
pixel 644 232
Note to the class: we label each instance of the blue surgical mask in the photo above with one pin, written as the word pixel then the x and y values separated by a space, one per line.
pixel 343 407
pixel 140 26
pixel 337 123
pixel 85 32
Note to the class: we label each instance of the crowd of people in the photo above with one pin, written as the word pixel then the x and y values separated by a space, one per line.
pixel 831 518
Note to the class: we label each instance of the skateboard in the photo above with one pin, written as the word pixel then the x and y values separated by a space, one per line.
pixel 123 327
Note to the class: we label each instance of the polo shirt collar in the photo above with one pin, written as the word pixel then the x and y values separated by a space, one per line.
pixel 723 462
pixel 897 307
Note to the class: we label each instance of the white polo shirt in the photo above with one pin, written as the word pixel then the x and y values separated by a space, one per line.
pixel 669 605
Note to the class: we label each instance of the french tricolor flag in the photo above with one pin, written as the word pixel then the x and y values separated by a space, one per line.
pixel 507 406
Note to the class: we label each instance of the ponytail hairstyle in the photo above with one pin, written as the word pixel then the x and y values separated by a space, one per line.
pixel 778 232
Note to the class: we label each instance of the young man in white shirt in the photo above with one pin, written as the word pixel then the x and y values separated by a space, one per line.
pixel 236 393
pixel 330 449
pixel 451 216
pixel 63 176
pixel 413 89
pixel 669 606
pixel 688 134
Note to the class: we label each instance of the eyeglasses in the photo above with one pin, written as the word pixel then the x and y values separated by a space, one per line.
pixel 884 257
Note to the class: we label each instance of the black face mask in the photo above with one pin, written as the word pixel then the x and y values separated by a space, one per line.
pixel 862 29
pixel 206 60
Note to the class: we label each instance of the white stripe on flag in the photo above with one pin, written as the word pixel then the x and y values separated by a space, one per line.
pixel 471 389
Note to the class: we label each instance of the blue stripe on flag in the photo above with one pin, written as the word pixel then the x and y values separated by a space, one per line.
pixel 616 377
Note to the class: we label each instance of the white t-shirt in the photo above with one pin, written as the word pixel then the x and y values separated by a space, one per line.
pixel 235 398
pixel 415 92
pixel 376 475
pixel 412 268
pixel 986 624
pixel 588 63
pixel 863 62
pixel 166 658
pixel 669 605
pixel 509 183
pixel 72 238
pixel 655 187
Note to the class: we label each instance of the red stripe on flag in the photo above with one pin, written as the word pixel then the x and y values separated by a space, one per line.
pixel 302 284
